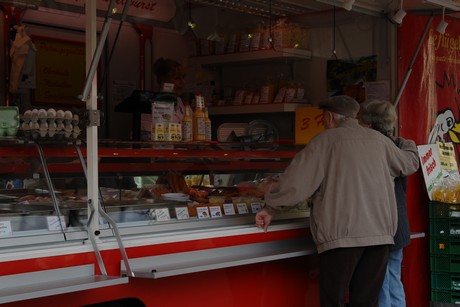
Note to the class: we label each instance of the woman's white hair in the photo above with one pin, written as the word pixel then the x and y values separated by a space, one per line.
pixel 379 114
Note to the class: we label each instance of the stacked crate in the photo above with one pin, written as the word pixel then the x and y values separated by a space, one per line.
pixel 445 252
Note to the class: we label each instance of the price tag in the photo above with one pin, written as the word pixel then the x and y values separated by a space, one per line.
pixel 162 214
pixel 5 229
pixel 215 211
pixel 256 207
pixel 308 123
pixel 182 213
pixel 202 212
pixel 242 208
pixel 229 209
pixel 55 222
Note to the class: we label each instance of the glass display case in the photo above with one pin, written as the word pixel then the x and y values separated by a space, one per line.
pixel 145 187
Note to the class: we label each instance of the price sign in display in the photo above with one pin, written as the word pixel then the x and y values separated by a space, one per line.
pixel 229 209
pixel 5 229
pixel 202 212
pixel 215 211
pixel 308 123
pixel 55 222
pixel 162 214
pixel 256 207
pixel 242 208
pixel 182 213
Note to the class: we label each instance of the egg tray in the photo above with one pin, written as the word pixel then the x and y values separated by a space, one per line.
pixel 9 122
pixel 44 135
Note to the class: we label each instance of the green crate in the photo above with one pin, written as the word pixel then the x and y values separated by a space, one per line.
pixel 445 245
pixel 445 296
pixel 444 210
pixel 445 228
pixel 445 263
pixel 445 281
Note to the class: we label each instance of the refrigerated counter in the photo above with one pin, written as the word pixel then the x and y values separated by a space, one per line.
pixel 148 241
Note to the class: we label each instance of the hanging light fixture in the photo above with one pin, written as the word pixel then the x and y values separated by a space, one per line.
pixel 442 24
pixel 191 24
pixel 398 17
pixel 348 4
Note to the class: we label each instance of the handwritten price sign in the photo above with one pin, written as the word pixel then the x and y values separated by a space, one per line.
pixel 308 123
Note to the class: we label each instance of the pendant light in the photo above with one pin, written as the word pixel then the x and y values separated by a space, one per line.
pixel 191 24
pixel 398 17
pixel 442 24
pixel 348 4
pixel 334 51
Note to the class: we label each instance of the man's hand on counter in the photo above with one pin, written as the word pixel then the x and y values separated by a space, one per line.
pixel 263 219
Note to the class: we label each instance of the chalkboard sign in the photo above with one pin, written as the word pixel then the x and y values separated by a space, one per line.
pixel 60 72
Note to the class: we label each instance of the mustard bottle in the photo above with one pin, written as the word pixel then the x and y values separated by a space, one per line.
pixel 199 126
pixel 207 124
pixel 187 125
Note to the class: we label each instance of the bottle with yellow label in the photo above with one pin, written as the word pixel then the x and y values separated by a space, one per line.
pixel 199 125
pixel 187 125
pixel 207 124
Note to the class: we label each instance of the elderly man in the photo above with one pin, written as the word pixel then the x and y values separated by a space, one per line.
pixel 348 171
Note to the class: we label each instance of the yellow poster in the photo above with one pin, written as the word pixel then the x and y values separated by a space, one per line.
pixel 308 123
pixel 447 157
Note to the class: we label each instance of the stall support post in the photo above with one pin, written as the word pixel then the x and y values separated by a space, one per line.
pixel 91 106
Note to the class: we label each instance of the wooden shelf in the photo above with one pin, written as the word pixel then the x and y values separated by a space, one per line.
pixel 290 54
pixel 255 108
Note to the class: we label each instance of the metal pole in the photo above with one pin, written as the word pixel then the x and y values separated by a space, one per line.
pixel 411 64
pixel 97 54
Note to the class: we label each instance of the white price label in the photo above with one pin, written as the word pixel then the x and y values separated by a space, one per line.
pixel 256 207
pixel 203 212
pixel 229 209
pixel 215 211
pixel 182 213
pixel 162 214
pixel 5 229
pixel 242 208
pixel 55 222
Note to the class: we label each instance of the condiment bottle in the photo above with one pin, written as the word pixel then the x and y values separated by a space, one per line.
pixel 207 123
pixel 199 126
pixel 187 125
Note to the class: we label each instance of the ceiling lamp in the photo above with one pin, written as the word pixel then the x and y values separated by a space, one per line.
pixel 442 24
pixel 348 4
pixel 398 17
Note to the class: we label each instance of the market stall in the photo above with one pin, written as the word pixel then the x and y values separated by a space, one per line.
pixel 98 225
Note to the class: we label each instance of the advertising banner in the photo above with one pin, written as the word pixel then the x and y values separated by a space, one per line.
pixel 429 109
pixel 160 10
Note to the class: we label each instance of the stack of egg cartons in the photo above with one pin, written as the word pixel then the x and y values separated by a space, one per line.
pixel 50 123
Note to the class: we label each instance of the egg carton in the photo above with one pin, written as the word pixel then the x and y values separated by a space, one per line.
pixel 9 121
pixel 50 124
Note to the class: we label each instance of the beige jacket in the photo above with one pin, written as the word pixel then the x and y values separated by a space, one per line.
pixel 349 173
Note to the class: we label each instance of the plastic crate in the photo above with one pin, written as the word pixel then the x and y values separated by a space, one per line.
pixel 445 228
pixel 445 281
pixel 445 263
pixel 445 245
pixel 444 210
pixel 445 296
